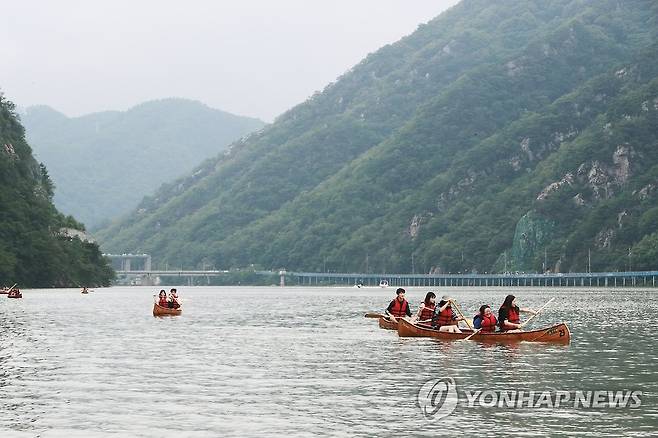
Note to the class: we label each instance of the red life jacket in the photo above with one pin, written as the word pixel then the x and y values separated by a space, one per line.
pixel 488 323
pixel 445 317
pixel 399 309
pixel 163 302
pixel 513 317
pixel 427 312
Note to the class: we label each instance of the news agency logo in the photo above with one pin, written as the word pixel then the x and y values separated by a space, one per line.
pixel 438 398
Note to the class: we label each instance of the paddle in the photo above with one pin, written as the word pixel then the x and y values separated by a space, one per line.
pixel 11 288
pixel 472 334
pixel 538 312
pixel 375 315
pixel 461 314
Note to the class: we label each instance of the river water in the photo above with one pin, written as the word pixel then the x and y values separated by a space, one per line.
pixel 247 361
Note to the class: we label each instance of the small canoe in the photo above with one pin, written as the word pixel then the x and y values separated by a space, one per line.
pixel 162 311
pixel 558 333
pixel 387 324
pixel 15 295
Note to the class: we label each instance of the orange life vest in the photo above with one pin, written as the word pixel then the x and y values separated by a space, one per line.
pixel 427 312
pixel 399 309
pixel 445 317
pixel 513 317
pixel 488 323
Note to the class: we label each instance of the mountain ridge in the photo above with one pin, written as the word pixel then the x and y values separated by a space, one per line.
pixel 103 163
pixel 283 214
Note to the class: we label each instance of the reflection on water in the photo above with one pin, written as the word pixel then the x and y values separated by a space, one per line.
pixel 269 361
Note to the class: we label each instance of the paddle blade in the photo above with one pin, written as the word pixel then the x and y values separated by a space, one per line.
pixel 374 315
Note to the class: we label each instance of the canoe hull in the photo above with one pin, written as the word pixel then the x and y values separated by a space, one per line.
pixel 558 333
pixel 387 324
pixel 165 311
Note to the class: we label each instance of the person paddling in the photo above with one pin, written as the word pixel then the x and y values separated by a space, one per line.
pixel 485 320
pixel 173 299
pixel 445 318
pixel 162 301
pixel 509 315
pixel 399 307
pixel 426 309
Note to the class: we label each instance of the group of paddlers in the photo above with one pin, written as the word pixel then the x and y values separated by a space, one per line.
pixel 11 292
pixel 442 315
pixel 170 301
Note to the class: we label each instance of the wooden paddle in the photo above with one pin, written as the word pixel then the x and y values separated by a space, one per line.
pixel 537 313
pixel 11 288
pixel 375 315
pixel 472 334
pixel 461 314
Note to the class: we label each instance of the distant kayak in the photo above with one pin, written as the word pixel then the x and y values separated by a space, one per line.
pixel 163 311
pixel 558 333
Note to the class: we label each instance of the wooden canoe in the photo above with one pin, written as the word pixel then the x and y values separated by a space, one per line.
pixel 163 311
pixel 15 295
pixel 387 324
pixel 558 333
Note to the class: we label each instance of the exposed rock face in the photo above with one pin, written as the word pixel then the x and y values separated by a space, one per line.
pixel 525 147
pixel 532 234
pixel 72 233
pixel 603 180
pixel 9 150
pixel 604 238
pixel 463 185
pixel 414 227
pixel 622 159
pixel 597 179
pixel 556 186
pixel 645 192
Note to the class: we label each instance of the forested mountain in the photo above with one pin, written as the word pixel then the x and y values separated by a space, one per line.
pixel 512 135
pixel 39 247
pixel 104 163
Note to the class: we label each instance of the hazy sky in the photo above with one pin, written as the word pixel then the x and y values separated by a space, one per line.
pixel 250 57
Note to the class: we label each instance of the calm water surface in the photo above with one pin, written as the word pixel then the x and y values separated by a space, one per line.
pixel 248 361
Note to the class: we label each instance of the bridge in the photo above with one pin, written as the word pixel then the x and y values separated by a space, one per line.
pixel 572 279
pixel 589 279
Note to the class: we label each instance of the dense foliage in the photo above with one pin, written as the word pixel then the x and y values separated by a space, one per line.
pixel 104 163
pixel 37 247
pixel 515 135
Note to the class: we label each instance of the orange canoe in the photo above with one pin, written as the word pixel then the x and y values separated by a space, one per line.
pixel 558 333
pixel 387 324
pixel 161 311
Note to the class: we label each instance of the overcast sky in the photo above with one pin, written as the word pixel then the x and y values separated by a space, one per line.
pixel 249 57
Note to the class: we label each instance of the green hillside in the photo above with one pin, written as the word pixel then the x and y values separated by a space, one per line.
pixel 39 247
pixel 508 135
pixel 103 164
